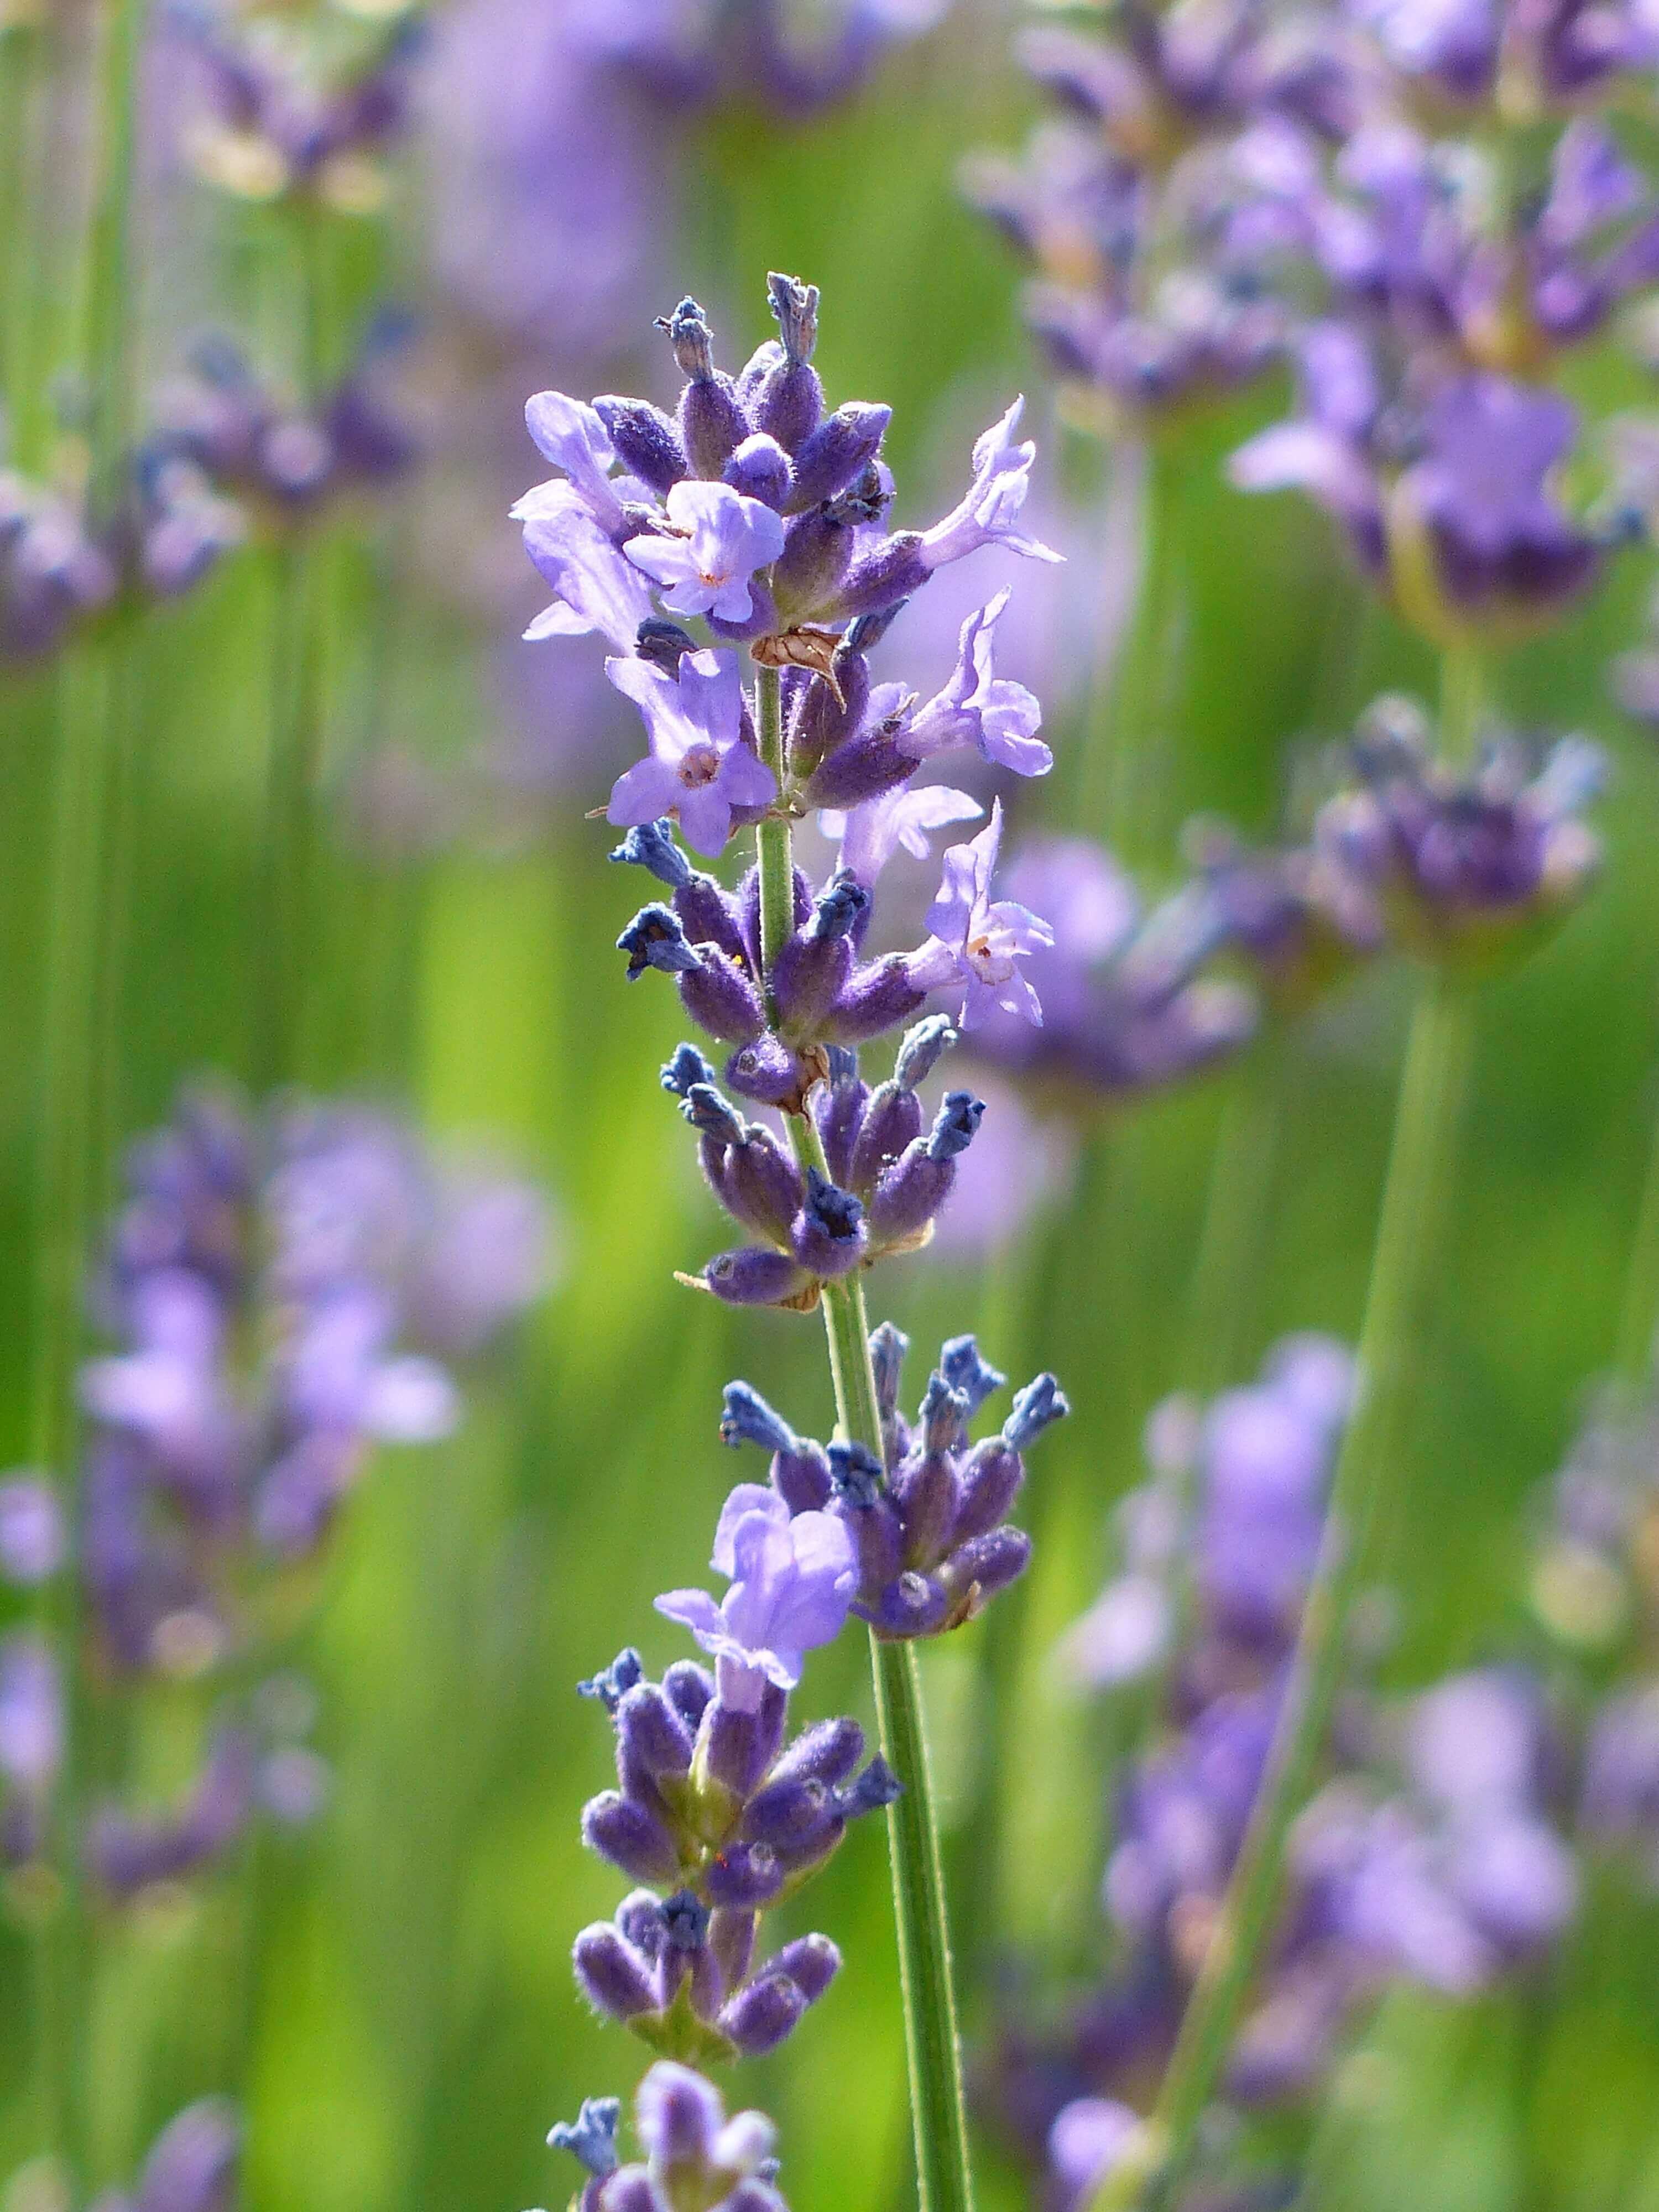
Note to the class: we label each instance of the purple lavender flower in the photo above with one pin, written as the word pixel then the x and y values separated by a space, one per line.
pixel 978 941
pixel 31 1531
pixel 692 2151
pixel 1091 2137
pixel 1560 52
pixel 988 512
pixel 700 766
pixel 869 834
pixel 192 2166
pixel 978 708
pixel 688 57
pixel 792 1581
pixel 715 541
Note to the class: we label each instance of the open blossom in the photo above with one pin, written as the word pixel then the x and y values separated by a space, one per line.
pixel 699 767
pixel 594 588
pixel 792 1583
pixel 720 538
pixel 988 513
pixel 979 708
pixel 573 436
pixel 977 940
pixel 871 834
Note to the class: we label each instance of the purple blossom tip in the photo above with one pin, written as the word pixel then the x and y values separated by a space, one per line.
pixel 650 846
pixel 611 1685
pixel 837 1212
pixel 955 1126
pixel 888 1347
pixel 857 1475
pixel 688 332
pixel 654 938
pixel 1035 1408
pixel 839 908
pixel 591 2137
pixel 709 1111
pixel 685 1921
pixel 877 1787
pixel 960 1363
pixel 687 1070
pixel 748 1420
pixel 920 1049
pixel 795 306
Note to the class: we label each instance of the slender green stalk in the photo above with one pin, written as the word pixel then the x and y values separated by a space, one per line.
pixel 933 2044
pixel 25 76
pixel 1236 1207
pixel 92 694
pixel 1432 1087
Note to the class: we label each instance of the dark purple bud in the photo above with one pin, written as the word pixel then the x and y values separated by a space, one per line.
pixel 639 1918
pixel 731 1940
pixel 878 578
pixel 910 1193
pixel 960 1364
pixel 816 554
pixel 891 1120
pixel 991 1481
pixel 838 1108
pixel 942 1416
pixel 888 1347
pixel 761 1185
pixel 613 1683
pixel 877 997
pixel 910 1605
pixel 591 2137
pixel 862 768
pixel 711 421
pixel 688 1688
pixel 688 333
pixel 828 1234
pixel 745 1877
pixel 709 917
pixel 789 401
pixel 955 1126
pixel 651 846
pixel 631 2189
pixel 838 452
pixel 876 1789
pixel 684 1921
pixel 654 938
pixel 652 1734
pixel 719 997
pixel 746 1418
pixel 790 1815
pixel 645 440
pixel 839 907
pixel 801 1478
pixel 749 909
pixel 988 1563
pixel 810 975
pixel 925 1496
pixel 761 2016
pixel 678 2116
pixel 752 1277
pixel 611 1974
pixel 759 470
pixel 631 1836
pixel 827 1752
pixel 821 721
pixel 739 1747
pixel 1040 1403
pixel 665 645
pixel 766 1070
pixel 920 1049
pixel 811 1963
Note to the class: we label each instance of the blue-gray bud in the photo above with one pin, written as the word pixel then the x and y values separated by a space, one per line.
pixel 920 1049
pixel 957 1126
pixel 748 1420
pixel 1040 1403
pixel 960 1363
pixel 611 1685
pixel 654 938
pixel 592 2135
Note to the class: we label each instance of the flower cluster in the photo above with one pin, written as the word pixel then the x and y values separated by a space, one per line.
pixel 1434 1851
pixel 285 1292
pixel 300 105
pixel 926 1519
pixel 694 2155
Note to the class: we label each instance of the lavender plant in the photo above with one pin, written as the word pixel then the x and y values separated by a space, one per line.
pixel 757 510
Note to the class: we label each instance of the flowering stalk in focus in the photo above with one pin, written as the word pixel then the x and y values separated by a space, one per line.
pixel 759 512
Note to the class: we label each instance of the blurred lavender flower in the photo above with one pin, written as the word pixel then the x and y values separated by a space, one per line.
pixel 1457 863
pixel 792 1581
pixel 688 54
pixel 193 2166
pixel 31 1530
pixel 1510 53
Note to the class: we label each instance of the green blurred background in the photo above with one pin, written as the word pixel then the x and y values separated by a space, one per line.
pixel 417 2028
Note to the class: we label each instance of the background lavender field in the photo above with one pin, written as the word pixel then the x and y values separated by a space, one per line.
pixel 391 1976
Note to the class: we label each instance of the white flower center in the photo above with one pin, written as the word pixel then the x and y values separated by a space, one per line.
pixel 701 765
pixel 990 952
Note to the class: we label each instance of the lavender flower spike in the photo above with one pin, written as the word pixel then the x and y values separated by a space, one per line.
pixel 988 514
pixel 720 538
pixel 978 941
pixel 698 767
pixel 793 1583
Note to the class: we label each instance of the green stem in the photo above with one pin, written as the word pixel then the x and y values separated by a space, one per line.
pixel 932 2043
pixel 1236 1208
pixel 1432 1084
pixel 69 1173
